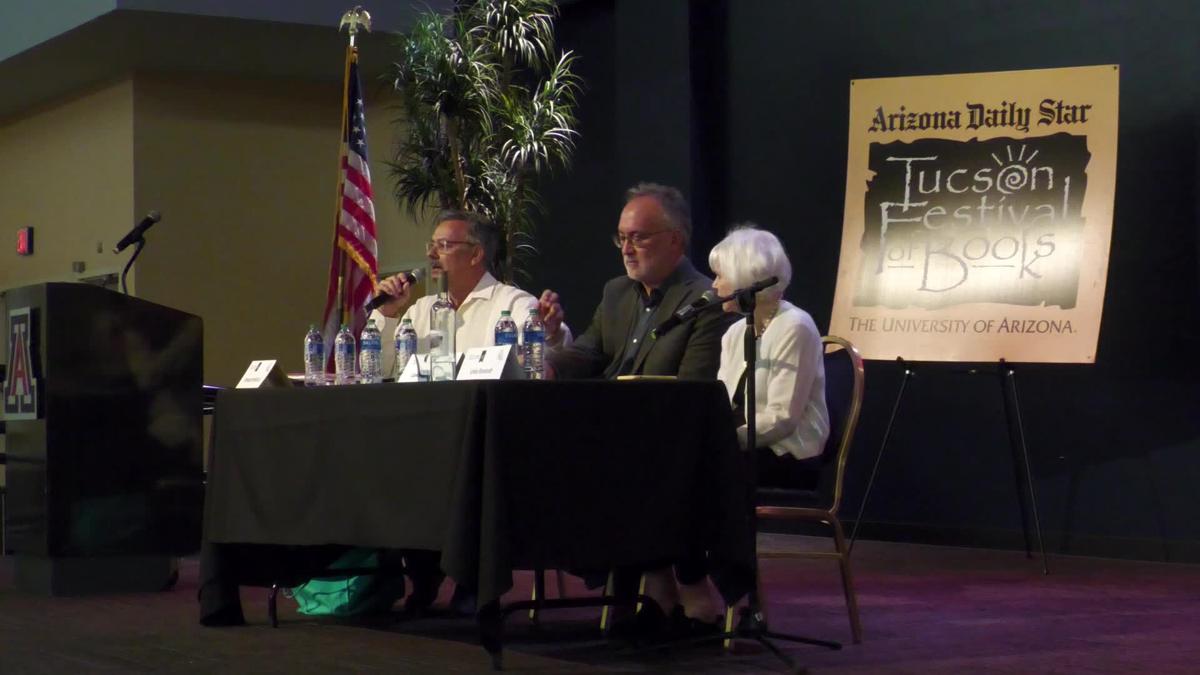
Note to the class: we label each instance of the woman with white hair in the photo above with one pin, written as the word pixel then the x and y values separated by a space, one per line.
pixel 791 419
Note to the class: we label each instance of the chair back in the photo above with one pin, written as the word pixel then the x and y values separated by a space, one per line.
pixel 843 397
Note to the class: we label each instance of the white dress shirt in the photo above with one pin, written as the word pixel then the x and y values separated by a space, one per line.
pixel 790 412
pixel 476 318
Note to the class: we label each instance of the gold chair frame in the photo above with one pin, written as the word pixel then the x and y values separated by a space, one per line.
pixel 829 515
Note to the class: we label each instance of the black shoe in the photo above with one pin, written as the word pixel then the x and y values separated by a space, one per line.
pixel 648 625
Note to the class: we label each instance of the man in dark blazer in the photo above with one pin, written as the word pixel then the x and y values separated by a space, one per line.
pixel 653 235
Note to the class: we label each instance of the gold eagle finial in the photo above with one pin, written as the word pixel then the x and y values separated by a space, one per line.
pixel 356 18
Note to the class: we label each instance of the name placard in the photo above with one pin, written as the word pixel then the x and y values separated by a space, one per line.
pixel 266 371
pixel 416 370
pixel 489 363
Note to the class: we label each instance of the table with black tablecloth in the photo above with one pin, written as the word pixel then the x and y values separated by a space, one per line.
pixel 497 476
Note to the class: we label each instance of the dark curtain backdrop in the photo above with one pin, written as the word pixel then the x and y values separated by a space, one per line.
pixel 743 104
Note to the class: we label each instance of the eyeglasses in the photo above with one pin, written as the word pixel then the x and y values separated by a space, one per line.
pixel 444 245
pixel 638 239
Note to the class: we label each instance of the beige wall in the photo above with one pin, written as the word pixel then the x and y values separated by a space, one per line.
pixel 244 174
pixel 67 170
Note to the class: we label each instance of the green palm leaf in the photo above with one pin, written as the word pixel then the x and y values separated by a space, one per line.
pixel 488 106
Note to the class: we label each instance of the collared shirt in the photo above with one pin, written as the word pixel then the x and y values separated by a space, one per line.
pixel 641 327
pixel 476 318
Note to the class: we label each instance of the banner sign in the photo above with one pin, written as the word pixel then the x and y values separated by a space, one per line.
pixel 978 215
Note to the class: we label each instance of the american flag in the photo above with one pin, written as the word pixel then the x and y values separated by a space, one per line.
pixel 352 273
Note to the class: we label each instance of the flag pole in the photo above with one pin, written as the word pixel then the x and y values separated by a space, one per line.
pixel 337 204
pixel 353 268
pixel 353 20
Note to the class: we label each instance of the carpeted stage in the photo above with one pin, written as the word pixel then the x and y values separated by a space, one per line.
pixel 925 610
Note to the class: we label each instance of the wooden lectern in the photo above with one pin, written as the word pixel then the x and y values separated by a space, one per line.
pixel 102 406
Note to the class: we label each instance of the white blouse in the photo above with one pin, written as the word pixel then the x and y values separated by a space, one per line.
pixel 790 412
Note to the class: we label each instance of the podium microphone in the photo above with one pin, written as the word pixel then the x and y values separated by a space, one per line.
pixel 412 276
pixel 137 231
pixel 686 314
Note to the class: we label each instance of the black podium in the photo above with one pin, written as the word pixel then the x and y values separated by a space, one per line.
pixel 102 405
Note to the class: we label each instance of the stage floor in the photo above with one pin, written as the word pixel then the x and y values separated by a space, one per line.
pixel 924 609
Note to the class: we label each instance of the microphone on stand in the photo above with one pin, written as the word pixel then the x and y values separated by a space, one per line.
pixel 412 276
pixel 137 231
pixel 746 296
pixel 758 286
pixel 686 314
pixel 709 299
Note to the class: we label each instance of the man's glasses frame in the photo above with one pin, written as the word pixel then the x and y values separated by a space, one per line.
pixel 638 239
pixel 445 245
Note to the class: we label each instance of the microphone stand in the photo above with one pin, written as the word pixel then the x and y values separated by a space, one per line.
pixel 125 272
pixel 753 626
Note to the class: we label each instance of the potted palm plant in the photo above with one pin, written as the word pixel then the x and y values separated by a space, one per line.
pixel 488 105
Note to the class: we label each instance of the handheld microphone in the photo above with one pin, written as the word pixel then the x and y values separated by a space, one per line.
pixel 685 314
pixel 138 230
pixel 412 276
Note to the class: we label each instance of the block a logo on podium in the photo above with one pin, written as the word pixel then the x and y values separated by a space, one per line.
pixel 20 385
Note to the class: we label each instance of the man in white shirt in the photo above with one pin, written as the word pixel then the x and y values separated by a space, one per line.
pixel 463 247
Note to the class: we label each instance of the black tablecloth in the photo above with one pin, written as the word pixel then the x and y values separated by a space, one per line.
pixel 496 475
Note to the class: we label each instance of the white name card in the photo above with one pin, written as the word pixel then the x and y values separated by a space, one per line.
pixel 490 363
pixel 259 372
pixel 416 370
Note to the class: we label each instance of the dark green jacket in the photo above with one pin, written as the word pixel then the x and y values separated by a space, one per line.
pixel 691 350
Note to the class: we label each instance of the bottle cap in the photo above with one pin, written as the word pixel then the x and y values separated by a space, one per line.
pixel 505 312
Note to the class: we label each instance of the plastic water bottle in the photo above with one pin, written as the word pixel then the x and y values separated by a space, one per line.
pixel 406 346
pixel 535 346
pixel 506 330
pixel 343 356
pixel 442 325
pixel 370 348
pixel 314 357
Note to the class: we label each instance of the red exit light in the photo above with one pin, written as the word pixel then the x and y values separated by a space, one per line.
pixel 25 241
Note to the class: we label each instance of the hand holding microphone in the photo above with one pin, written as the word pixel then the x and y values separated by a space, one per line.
pixel 394 293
